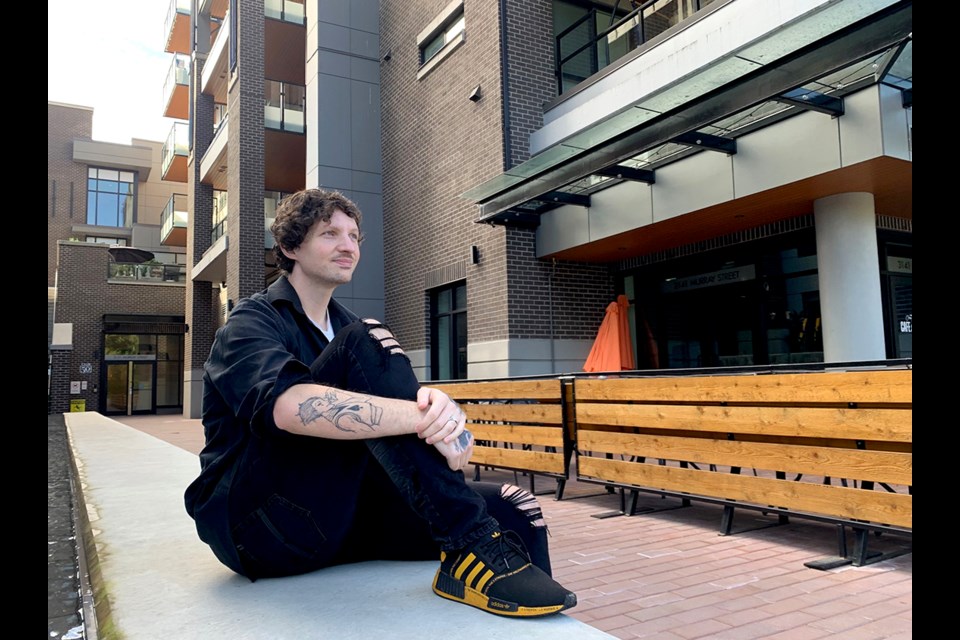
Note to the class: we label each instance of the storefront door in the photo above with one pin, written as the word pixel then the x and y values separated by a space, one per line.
pixel 130 387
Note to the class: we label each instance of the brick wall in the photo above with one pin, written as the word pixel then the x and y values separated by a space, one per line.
pixel 437 144
pixel 83 297
pixel 570 297
pixel 66 179
pixel 199 305
pixel 245 182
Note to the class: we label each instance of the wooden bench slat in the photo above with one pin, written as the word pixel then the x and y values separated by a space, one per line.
pixel 548 389
pixel 525 414
pixel 886 386
pixel 895 425
pixel 877 506
pixel 529 413
pixel 535 461
pixel 859 464
pixel 519 434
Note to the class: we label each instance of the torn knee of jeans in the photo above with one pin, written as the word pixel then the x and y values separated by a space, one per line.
pixel 525 502
pixel 379 332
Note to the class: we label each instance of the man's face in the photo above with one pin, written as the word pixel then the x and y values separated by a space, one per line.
pixel 330 251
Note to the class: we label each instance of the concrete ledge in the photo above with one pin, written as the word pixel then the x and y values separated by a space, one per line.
pixel 150 576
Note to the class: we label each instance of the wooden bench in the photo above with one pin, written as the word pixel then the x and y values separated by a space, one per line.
pixel 835 446
pixel 519 425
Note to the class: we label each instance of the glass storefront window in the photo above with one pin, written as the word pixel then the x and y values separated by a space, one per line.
pixel 740 306
pixel 897 270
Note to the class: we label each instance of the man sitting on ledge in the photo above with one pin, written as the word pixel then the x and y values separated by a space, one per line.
pixel 322 448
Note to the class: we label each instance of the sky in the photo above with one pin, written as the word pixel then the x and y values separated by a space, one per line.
pixel 108 54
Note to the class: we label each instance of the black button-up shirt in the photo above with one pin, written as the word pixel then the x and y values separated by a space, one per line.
pixel 265 347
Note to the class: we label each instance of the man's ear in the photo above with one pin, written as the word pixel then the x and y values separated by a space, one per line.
pixel 289 253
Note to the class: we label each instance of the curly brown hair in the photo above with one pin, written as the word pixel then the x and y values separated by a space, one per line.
pixel 298 212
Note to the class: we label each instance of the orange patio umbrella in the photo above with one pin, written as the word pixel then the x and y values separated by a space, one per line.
pixel 613 349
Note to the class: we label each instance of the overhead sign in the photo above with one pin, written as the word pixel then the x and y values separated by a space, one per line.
pixel 712 279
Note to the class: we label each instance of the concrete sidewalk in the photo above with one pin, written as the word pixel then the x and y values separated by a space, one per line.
pixel 152 577
pixel 669 575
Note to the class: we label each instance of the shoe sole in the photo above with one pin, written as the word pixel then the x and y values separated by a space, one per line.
pixel 453 589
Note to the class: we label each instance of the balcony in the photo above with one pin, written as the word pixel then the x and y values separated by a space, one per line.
pixel 215 8
pixel 146 273
pixel 284 104
pixel 173 155
pixel 285 40
pixel 285 146
pixel 286 10
pixel 585 47
pixel 213 165
pixel 218 227
pixel 213 78
pixel 212 266
pixel 177 27
pixel 173 222
pixel 176 88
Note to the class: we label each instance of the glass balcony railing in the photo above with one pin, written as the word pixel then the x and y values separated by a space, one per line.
pixel 178 75
pixel 586 46
pixel 174 214
pixel 286 10
pixel 143 272
pixel 219 226
pixel 220 114
pixel 270 201
pixel 177 144
pixel 284 106
pixel 176 6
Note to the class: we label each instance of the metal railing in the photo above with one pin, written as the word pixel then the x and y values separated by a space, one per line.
pixel 584 48
pixel 141 272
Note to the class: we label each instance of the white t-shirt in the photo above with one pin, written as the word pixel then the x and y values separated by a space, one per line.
pixel 327 330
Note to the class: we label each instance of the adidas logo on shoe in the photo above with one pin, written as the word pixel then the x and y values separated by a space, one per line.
pixel 496 575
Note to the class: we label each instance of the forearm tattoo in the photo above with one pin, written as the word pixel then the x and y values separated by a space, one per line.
pixel 350 414
pixel 462 441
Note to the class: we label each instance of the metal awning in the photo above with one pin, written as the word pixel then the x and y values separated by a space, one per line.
pixel 631 144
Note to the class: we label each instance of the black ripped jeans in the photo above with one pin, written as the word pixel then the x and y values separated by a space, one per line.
pixel 301 503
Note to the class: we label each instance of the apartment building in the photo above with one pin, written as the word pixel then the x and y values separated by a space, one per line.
pixel 277 96
pixel 741 170
pixel 116 272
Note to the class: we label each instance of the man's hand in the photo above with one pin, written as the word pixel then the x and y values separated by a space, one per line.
pixel 457 452
pixel 442 420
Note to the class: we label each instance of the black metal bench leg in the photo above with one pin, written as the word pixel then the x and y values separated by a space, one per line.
pixel 726 522
pixel 841 541
pixel 634 495
pixel 561 483
pixel 860 547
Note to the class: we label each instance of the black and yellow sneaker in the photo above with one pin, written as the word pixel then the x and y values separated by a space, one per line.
pixel 496 575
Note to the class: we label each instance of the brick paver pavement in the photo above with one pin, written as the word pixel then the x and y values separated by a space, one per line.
pixel 669 575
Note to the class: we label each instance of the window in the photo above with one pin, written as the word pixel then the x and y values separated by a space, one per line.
pixel 105 240
pixel 110 197
pixel 439 38
pixel 448 328
pixel 433 46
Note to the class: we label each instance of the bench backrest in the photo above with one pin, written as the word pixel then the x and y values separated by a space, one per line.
pixel 517 424
pixel 794 432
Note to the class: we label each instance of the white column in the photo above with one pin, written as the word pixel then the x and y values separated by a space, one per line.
pixel 849 275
